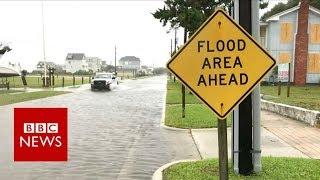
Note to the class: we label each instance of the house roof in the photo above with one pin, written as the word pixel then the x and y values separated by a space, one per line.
pixel 6 72
pixel 75 56
pixel 278 15
pixel 129 58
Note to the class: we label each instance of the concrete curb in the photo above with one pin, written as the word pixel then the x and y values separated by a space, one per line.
pixel 172 128
pixel 182 129
pixel 157 175
pixel 301 114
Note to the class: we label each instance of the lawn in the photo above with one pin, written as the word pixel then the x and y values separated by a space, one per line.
pixel 5 91
pixel 197 116
pixel 174 94
pixel 307 97
pixel 36 82
pixel 26 96
pixel 272 168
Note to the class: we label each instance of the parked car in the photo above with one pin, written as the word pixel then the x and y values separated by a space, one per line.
pixel 104 81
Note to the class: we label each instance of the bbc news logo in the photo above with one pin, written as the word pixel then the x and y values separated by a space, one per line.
pixel 40 134
pixel 36 141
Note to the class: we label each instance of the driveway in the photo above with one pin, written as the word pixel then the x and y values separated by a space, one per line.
pixel 112 135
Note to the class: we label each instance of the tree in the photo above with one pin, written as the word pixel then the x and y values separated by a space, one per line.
pixel 4 49
pixel 290 4
pixel 108 68
pixel 83 72
pixel 158 71
pixel 190 14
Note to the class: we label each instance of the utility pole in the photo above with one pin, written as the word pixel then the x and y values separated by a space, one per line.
pixel 171 47
pixel 115 60
pixel 246 140
pixel 175 47
pixel 170 74
pixel 183 88
pixel 43 46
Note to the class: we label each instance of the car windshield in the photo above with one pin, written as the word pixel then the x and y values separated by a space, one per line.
pixel 107 76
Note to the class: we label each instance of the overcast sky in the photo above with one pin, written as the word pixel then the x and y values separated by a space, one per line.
pixel 90 27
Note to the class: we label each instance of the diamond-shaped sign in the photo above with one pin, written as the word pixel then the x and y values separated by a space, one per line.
pixel 221 63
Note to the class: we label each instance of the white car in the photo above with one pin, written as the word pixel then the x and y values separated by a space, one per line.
pixel 104 81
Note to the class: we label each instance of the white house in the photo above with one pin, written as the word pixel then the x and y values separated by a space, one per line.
pixel 94 63
pixel 293 38
pixel 130 63
pixel 75 62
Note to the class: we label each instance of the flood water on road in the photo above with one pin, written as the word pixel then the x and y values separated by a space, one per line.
pixel 112 135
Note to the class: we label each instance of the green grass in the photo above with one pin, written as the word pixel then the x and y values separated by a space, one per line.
pixel 307 97
pixel 272 168
pixel 4 91
pixel 197 116
pixel 15 98
pixel 36 82
pixel 174 94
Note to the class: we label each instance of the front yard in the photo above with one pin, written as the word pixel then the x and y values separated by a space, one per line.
pixel 36 81
pixel 306 97
pixel 272 168
pixel 14 97
pixel 198 115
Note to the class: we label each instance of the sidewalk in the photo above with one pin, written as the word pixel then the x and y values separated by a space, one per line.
pixel 297 134
pixel 280 137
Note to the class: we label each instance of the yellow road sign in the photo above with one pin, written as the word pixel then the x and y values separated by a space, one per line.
pixel 221 63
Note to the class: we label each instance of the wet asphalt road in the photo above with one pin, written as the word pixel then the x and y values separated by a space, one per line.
pixel 112 135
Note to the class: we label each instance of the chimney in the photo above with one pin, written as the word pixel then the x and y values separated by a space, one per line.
pixel 301 45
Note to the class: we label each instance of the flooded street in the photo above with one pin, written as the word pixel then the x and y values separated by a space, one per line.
pixel 112 135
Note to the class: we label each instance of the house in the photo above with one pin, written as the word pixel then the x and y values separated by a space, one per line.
pixel 94 63
pixel 293 38
pixel 130 63
pixel 76 62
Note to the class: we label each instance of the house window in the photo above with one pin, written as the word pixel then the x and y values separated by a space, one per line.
pixel 314 63
pixel 315 33
pixel 286 33
pixel 284 57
